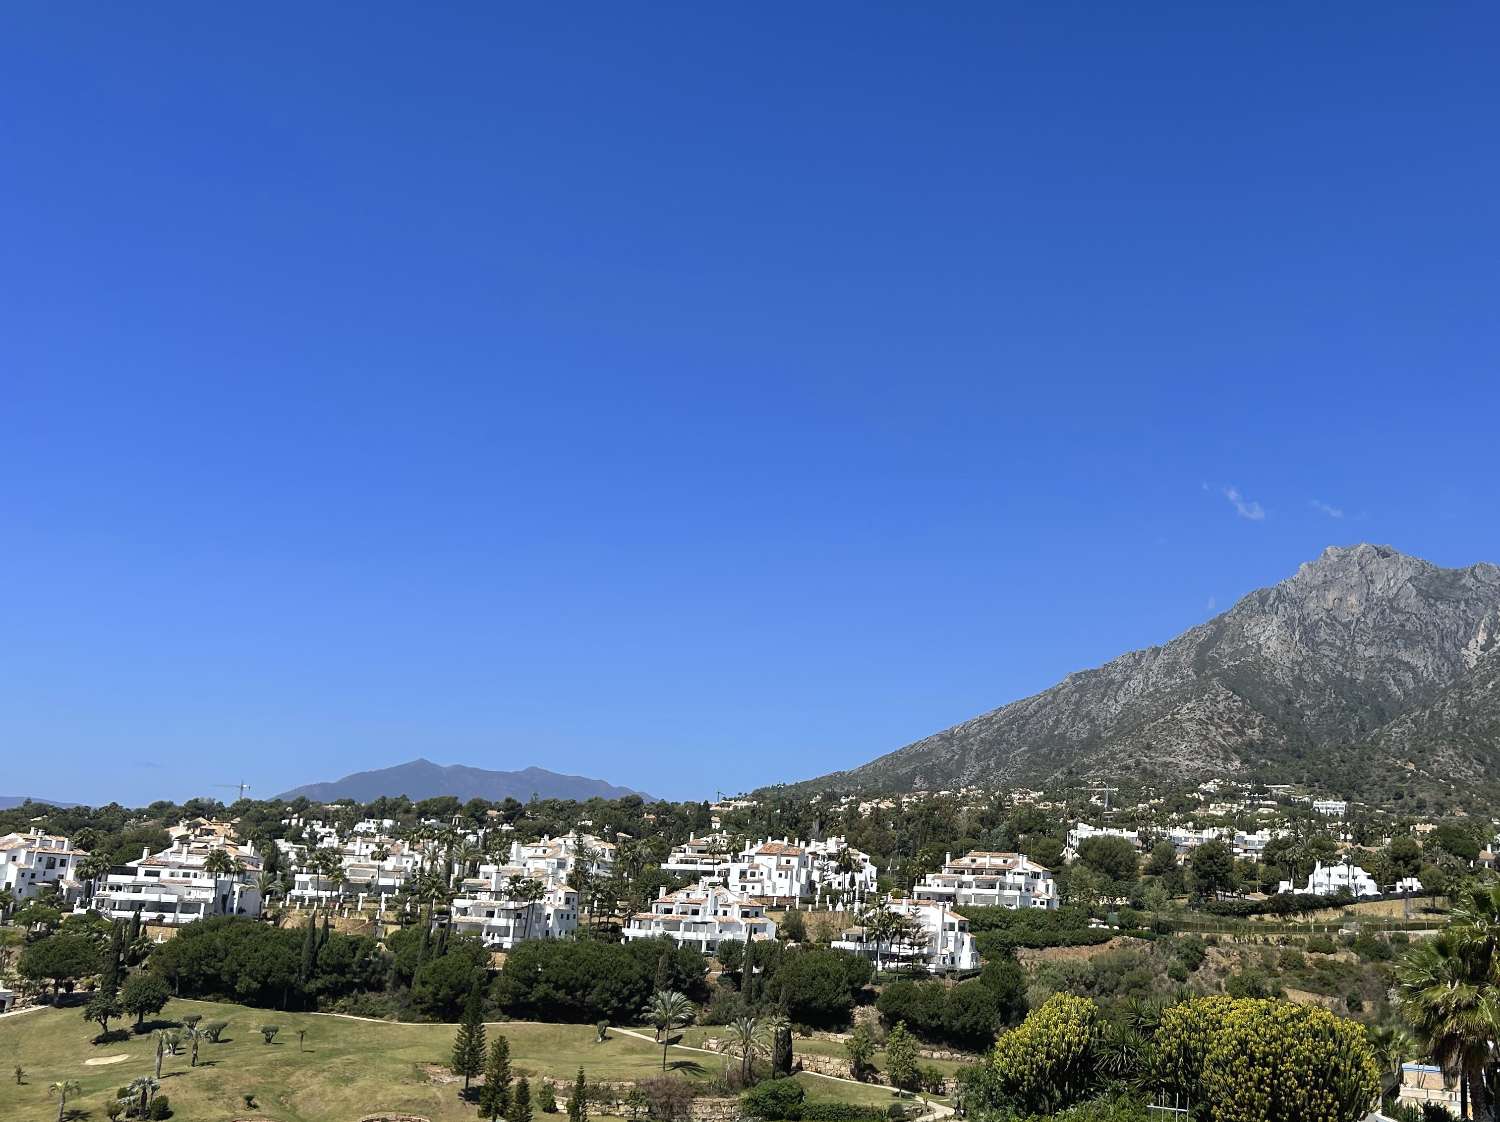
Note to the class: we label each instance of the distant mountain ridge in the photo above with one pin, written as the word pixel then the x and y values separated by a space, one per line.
pixel 10 802
pixel 1365 659
pixel 423 779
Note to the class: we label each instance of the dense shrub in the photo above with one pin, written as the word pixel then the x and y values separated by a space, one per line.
pixel 817 986
pixel 966 1015
pixel 773 1100
pixel 236 959
pixel 999 931
pixel 585 981
pixel 1045 1064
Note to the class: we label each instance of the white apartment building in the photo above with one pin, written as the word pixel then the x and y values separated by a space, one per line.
pixel 485 906
pixel 983 879
pixel 702 916
pixel 555 857
pixel 1329 879
pixel 1333 808
pixel 788 871
pixel 174 886
pixel 943 943
pixel 1081 833
pixel 33 860
pixel 708 856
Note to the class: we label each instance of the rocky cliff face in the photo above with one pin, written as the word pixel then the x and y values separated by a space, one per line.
pixel 1363 646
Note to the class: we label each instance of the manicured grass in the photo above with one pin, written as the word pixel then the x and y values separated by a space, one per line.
pixel 863 1094
pixel 349 1068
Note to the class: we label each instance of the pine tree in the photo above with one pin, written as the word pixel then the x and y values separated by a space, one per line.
pixel 494 1096
pixel 468 1042
pixel 578 1101
pixel 520 1104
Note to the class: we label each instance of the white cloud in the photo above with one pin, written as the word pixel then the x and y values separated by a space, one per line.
pixel 1244 507
pixel 1326 508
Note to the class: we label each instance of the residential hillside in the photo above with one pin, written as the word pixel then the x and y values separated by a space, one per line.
pixel 1365 667
pixel 423 779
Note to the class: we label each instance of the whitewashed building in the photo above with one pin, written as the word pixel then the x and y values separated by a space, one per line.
pixel 34 860
pixel 487 906
pixel 702 917
pixel 939 939
pixel 983 879
pixel 1326 880
pixel 174 886
pixel 1083 831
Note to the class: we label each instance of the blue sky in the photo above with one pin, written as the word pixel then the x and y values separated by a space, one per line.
pixel 698 396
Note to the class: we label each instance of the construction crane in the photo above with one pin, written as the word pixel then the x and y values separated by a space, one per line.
pixel 240 788
pixel 1106 792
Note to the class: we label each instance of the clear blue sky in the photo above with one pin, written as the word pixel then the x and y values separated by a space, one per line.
pixel 699 396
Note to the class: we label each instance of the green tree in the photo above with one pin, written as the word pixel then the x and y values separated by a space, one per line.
pixel 520 1103
pixel 1212 864
pixel 578 1100
pixel 468 1041
pixel 901 1059
pixel 665 1011
pixel 494 1096
pixel 61 959
pixel 1163 859
pixel 142 994
pixel 1112 858
pixel 861 1051
pixel 102 1008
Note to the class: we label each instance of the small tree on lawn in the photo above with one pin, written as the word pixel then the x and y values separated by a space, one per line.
pixel 268 1032
pixel 102 1008
pixel 142 994
pixel 666 1010
pixel 468 1042
pixel 901 1058
pixel 494 1096
pixel 62 1090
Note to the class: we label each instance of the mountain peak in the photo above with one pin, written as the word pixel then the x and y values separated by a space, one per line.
pixel 1284 682
pixel 422 779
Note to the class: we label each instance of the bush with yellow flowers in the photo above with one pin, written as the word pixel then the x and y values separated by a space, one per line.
pixel 1047 1062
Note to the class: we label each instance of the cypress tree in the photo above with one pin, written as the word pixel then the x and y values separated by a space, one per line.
pixel 135 926
pixel 309 947
pixel 109 977
pixel 663 980
pixel 578 1101
pixel 422 940
pixel 468 1042
pixel 494 1096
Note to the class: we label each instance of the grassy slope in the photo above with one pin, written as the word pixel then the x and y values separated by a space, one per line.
pixel 350 1068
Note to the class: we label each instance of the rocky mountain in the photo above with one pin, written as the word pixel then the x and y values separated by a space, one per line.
pixel 1364 655
pixel 423 779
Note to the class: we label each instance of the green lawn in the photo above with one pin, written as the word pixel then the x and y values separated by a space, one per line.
pixel 349 1068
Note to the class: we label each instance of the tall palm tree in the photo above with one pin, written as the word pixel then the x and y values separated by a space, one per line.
pixel 747 1036
pixel 525 891
pixel 62 1089
pixel 91 870
pixel 1448 994
pixel 1392 1045
pixel 666 1010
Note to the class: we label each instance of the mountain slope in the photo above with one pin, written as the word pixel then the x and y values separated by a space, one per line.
pixel 1355 640
pixel 423 779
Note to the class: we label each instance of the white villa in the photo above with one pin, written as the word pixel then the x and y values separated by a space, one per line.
pixel 555 857
pixel 784 871
pixel 34 860
pixel 945 944
pixel 174 886
pixel 485 906
pixel 702 916
pixel 1082 831
pixel 984 879
pixel 1329 879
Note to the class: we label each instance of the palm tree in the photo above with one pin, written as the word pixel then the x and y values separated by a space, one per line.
pixel 91 870
pixel 747 1036
pixel 62 1089
pixel 192 1034
pixel 526 891
pixel 1392 1044
pixel 140 1091
pixel 219 863
pixel 666 1010
pixel 1448 994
